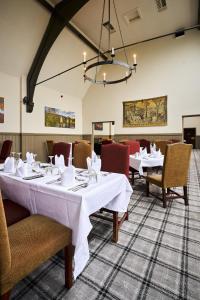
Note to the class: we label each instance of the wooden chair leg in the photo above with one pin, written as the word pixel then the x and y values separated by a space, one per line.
pixel 126 218
pixel 147 188
pixel 68 266
pixel 6 296
pixel 164 198
pixel 185 195
pixel 115 227
pixel 132 177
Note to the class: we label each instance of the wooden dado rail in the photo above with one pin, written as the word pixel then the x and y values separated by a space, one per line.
pixel 36 142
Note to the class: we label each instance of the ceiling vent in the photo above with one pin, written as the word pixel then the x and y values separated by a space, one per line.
pixel 109 27
pixel 161 4
pixel 132 15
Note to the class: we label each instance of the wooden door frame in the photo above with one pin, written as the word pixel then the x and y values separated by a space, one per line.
pixel 187 116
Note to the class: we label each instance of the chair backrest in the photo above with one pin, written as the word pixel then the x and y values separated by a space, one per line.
pixel 115 158
pixel 176 165
pixel 145 144
pixel 134 146
pixel 106 141
pixel 162 146
pixel 81 152
pixel 6 148
pixel 5 256
pixel 49 145
pixel 62 148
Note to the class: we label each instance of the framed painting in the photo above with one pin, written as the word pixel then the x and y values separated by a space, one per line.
pixel 57 118
pixel 1 110
pixel 145 112
pixel 98 126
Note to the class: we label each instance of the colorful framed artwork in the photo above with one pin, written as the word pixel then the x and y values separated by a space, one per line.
pixel 57 118
pixel 145 112
pixel 1 110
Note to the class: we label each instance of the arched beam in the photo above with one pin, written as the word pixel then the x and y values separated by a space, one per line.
pixel 61 15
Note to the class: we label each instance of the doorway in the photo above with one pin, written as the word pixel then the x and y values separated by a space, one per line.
pixel 189 135
pixel 191 130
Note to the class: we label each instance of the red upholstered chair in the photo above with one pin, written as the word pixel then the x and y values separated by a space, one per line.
pixel 62 148
pixel 134 146
pixel 115 158
pixel 145 144
pixel 5 150
pixel 107 141
pixel 14 212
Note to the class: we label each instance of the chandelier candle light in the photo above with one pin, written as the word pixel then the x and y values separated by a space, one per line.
pixel 111 53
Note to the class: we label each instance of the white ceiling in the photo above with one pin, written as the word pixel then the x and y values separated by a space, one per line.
pixel 23 23
pixel 179 14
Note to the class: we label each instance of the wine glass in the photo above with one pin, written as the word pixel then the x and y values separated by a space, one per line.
pixel 51 158
pixel 18 155
pixel 51 162
pixel 13 154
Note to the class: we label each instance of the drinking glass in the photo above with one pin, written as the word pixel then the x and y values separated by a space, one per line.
pixel 51 158
pixel 13 154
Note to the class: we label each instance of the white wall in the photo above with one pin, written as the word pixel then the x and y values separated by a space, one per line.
pixel 192 122
pixel 35 122
pixel 167 66
pixel 10 91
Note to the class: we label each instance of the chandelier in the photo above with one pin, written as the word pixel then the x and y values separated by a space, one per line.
pixel 111 54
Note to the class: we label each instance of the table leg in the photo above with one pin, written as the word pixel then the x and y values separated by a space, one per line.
pixel 115 227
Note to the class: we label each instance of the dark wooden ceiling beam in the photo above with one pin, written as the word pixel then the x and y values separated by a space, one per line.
pixel 61 14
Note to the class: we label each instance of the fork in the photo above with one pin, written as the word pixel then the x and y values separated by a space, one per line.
pixel 79 187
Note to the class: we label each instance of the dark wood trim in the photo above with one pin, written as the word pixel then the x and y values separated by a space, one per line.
pixel 189 116
pixel 61 15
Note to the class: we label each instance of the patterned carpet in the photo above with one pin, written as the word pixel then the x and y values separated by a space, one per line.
pixel 157 256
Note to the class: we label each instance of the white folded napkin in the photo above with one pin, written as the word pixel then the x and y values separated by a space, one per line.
pixel 21 169
pixel 68 176
pixel 152 148
pixel 156 154
pixel 89 164
pixel 59 161
pixel 9 165
pixel 143 153
pixel 96 165
pixel 137 155
pixel 29 158
pixel 94 156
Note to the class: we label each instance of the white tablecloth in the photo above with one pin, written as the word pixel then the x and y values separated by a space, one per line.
pixel 140 163
pixel 70 208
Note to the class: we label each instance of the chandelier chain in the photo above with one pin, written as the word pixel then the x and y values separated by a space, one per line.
pixel 120 31
pixel 101 31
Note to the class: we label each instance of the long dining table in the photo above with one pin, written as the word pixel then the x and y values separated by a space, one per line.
pixel 71 206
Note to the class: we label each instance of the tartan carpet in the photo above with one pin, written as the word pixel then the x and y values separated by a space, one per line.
pixel 157 255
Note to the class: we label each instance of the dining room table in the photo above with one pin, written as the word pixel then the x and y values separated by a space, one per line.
pixel 69 205
pixel 138 163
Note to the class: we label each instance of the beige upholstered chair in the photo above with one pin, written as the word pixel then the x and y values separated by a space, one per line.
pixel 162 145
pixel 81 152
pixel 27 244
pixel 174 174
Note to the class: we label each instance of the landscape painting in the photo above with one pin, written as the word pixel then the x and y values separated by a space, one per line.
pixel 1 110
pixel 145 112
pixel 57 118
